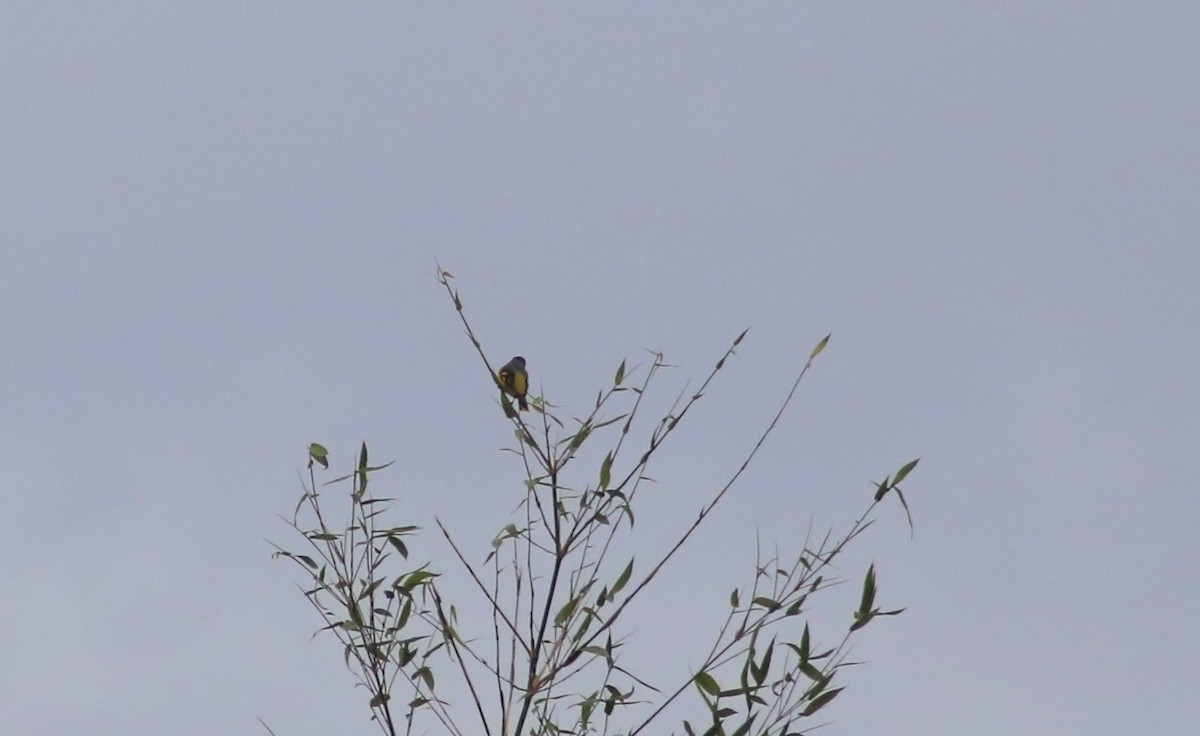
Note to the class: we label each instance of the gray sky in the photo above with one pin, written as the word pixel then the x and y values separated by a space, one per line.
pixel 218 229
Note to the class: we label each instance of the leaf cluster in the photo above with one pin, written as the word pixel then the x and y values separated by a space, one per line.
pixel 555 588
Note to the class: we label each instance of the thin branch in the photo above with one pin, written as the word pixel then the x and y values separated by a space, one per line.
pixel 479 583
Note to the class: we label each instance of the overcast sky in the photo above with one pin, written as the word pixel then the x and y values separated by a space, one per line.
pixel 219 224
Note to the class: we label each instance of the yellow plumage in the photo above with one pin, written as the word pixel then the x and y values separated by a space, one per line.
pixel 515 381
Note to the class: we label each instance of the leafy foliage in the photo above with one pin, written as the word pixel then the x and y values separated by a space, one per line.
pixel 555 589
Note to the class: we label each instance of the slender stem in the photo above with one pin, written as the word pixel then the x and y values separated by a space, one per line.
pixel 451 637
pixel 531 680
pixel 479 583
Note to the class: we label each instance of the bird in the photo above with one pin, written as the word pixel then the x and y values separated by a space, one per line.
pixel 515 381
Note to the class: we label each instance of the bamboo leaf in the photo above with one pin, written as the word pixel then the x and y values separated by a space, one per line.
pixel 907 513
pixel 363 466
pixel 564 614
pixel 623 579
pixel 606 471
pixel 868 594
pixel 318 454
pixel 414 579
pixel 768 603
pixel 821 701
pixel 820 346
pixel 903 472
pixel 745 727
pixel 426 674
pixel 707 684
pixel 399 545
pixel 380 699
pixel 580 436
pixel 765 667
pixel 811 672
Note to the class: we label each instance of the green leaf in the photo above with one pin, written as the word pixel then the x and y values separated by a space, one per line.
pixel 768 603
pixel 623 579
pixel 707 684
pixel 596 651
pixel 820 346
pixel 765 667
pixel 824 655
pixel 415 579
pixel 607 422
pixel 362 469
pixel 406 655
pixel 370 589
pixel 318 453
pixel 866 610
pixel 564 614
pixel 745 727
pixel 868 594
pixel 907 513
pixel 744 676
pixel 820 684
pixel 399 545
pixel 606 471
pixel 620 377
pixel 903 472
pixel 811 672
pixel 821 701
pixel 380 699
pixel 580 436
pixel 738 341
pixel 733 598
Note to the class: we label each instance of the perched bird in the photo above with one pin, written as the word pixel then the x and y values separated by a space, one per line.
pixel 515 381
